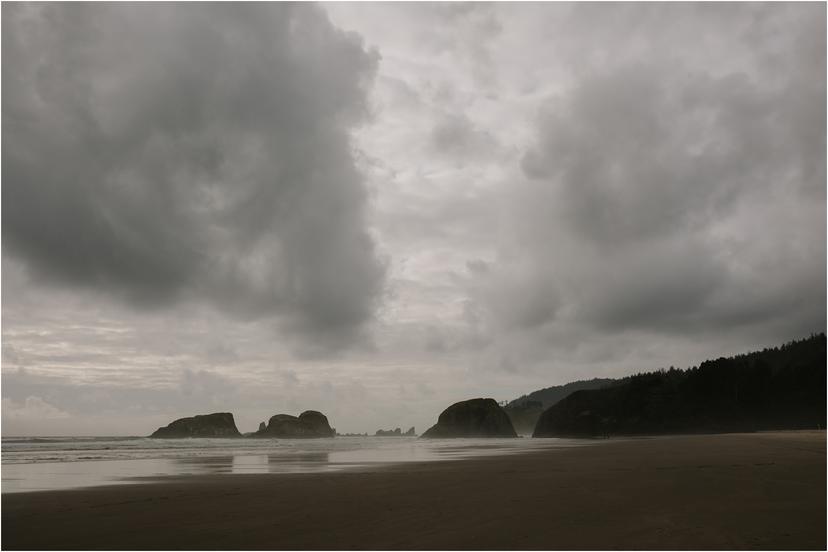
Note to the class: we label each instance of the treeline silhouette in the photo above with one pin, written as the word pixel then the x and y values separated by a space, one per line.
pixel 778 388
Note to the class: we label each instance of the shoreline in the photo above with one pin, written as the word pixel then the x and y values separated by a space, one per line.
pixel 721 491
pixel 49 471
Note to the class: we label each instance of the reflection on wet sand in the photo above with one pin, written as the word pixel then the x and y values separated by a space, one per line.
pixel 293 457
pixel 299 458
pixel 255 463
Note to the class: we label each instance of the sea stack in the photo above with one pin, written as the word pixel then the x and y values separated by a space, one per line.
pixel 389 433
pixel 472 418
pixel 395 433
pixel 220 424
pixel 309 424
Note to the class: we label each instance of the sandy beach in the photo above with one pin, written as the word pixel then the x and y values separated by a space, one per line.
pixel 742 491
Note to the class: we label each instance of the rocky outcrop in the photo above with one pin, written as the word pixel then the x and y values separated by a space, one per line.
pixel 262 426
pixel 395 433
pixel 220 424
pixel 388 433
pixel 472 418
pixel 309 424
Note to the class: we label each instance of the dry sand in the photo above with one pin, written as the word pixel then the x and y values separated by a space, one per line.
pixel 763 490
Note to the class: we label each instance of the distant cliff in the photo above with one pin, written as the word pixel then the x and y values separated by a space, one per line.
pixel 220 424
pixel 472 418
pixel 309 424
pixel 525 410
pixel 778 388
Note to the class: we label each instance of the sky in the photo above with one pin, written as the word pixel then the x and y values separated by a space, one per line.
pixel 376 210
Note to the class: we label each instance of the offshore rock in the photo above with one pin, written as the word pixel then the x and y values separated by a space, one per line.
pixel 395 433
pixel 220 424
pixel 309 424
pixel 388 433
pixel 472 418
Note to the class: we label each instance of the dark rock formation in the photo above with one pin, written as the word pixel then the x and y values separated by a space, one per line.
pixel 220 424
pixel 388 433
pixel 395 433
pixel 262 426
pixel 472 418
pixel 309 424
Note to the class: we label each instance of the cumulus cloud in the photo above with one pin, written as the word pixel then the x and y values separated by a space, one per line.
pixel 673 193
pixel 639 151
pixel 560 190
pixel 165 153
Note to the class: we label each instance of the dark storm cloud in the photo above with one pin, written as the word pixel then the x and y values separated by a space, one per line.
pixel 674 192
pixel 165 152
pixel 640 150
pixel 559 191
pixel 456 135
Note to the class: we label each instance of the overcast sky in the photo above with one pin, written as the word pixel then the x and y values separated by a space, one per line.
pixel 375 210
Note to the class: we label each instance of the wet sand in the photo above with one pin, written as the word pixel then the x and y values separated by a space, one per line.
pixel 755 491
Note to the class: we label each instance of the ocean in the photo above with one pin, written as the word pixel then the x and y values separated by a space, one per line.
pixel 52 463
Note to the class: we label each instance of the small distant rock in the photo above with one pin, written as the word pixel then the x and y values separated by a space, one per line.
pixel 262 426
pixel 472 418
pixel 394 433
pixel 388 433
pixel 220 424
pixel 309 424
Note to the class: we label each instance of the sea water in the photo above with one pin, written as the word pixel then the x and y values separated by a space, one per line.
pixel 51 463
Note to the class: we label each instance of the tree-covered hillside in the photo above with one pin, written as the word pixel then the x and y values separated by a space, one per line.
pixel 525 410
pixel 779 388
